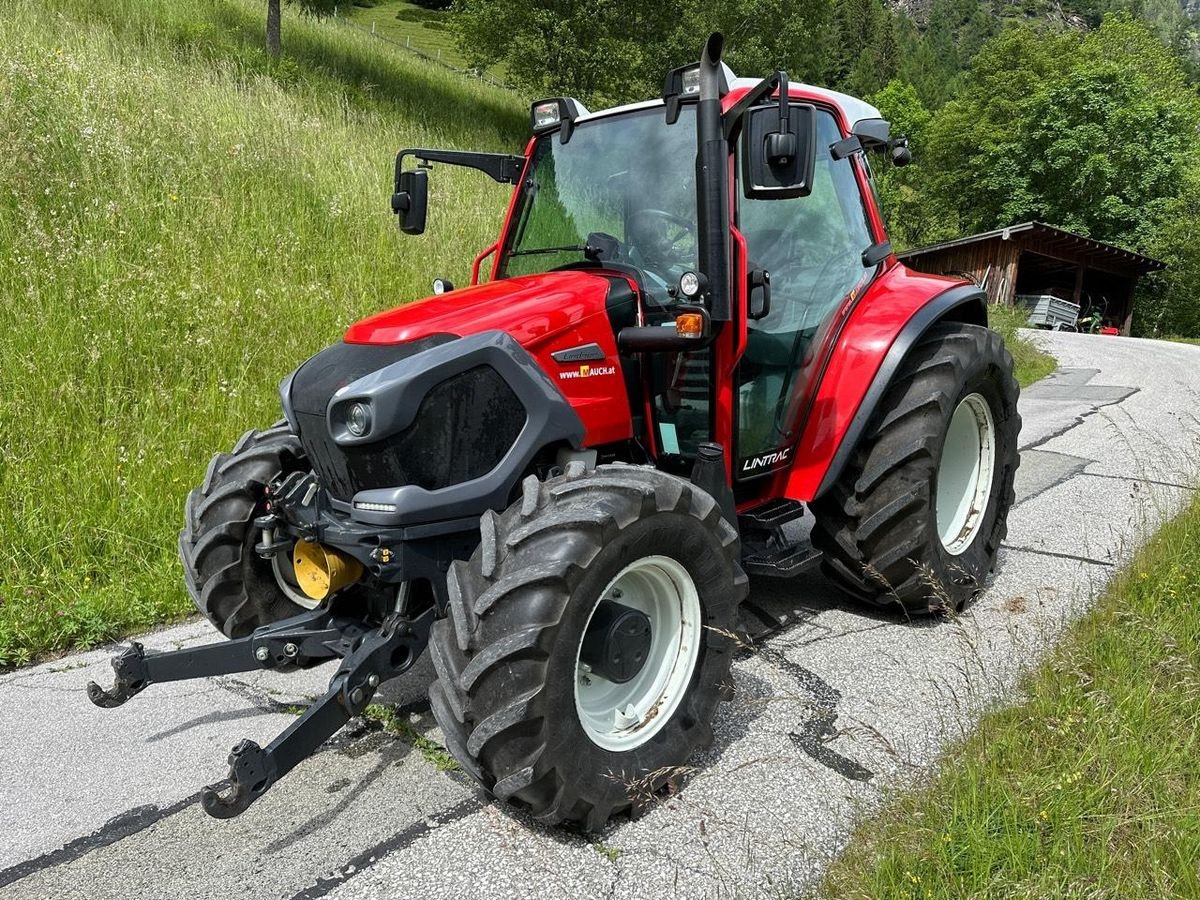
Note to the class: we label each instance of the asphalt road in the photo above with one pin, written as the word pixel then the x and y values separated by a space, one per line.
pixel 829 714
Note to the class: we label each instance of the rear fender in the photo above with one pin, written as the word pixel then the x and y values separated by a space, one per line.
pixel 832 433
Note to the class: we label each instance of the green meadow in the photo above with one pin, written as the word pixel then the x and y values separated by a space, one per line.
pixel 182 222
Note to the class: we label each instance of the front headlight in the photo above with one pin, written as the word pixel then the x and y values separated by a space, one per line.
pixel 358 419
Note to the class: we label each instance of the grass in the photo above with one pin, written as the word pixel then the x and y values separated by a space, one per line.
pixel 1183 340
pixel 1032 363
pixel 431 751
pixel 1090 788
pixel 427 30
pixel 182 222
pixel 612 854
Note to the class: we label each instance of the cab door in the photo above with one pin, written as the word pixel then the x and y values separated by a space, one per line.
pixel 812 248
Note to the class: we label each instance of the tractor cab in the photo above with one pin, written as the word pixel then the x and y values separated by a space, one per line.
pixel 740 264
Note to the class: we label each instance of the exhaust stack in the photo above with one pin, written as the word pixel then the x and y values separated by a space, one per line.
pixel 712 181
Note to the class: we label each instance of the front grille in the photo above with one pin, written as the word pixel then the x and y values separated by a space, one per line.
pixel 463 428
pixel 328 460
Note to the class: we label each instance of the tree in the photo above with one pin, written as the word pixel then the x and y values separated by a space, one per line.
pixel 910 219
pixel 612 51
pixel 1092 133
pixel 550 47
pixel 1103 155
pixel 1168 303
pixel 273 17
pixel 968 184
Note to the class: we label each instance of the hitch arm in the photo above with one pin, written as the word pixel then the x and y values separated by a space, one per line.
pixel 313 635
pixel 380 655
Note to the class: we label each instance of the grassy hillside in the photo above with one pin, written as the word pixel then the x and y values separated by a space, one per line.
pixel 427 30
pixel 181 223
pixel 1031 362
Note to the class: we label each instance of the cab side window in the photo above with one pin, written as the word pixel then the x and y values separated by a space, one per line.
pixel 812 247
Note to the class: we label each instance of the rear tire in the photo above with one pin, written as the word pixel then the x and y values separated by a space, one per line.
pixel 879 526
pixel 230 584
pixel 507 694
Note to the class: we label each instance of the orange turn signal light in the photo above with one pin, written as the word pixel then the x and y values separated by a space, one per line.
pixel 689 325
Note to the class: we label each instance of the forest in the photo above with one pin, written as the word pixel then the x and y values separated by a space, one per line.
pixel 1083 117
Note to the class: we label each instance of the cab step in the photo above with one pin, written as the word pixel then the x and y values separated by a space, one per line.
pixel 771 515
pixel 780 560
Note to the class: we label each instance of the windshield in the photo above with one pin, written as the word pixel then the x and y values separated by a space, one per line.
pixel 626 181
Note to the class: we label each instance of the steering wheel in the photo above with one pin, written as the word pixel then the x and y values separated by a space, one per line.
pixel 658 236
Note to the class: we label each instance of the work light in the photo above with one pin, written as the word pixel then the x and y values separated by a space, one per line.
pixel 689 284
pixel 546 115
pixel 555 112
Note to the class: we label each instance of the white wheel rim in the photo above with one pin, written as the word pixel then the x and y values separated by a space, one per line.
pixel 285 576
pixel 621 717
pixel 964 476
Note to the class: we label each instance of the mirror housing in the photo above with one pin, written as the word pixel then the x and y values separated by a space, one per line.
pixel 779 151
pixel 411 200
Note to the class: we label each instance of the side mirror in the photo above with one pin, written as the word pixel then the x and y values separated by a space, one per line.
pixel 411 200
pixel 758 296
pixel 778 151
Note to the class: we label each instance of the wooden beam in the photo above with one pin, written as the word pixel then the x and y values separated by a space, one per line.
pixel 1007 262
pixel 1128 323
pixel 1103 262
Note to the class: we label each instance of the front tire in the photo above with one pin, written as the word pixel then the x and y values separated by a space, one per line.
pixel 230 584
pixel 918 515
pixel 518 710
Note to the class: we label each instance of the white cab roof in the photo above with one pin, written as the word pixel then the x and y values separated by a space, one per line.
pixel 856 110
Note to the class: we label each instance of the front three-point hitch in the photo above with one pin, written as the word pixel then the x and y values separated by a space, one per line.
pixel 369 656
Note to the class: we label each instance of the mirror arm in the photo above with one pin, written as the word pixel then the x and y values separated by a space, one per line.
pixel 876 253
pixel 845 147
pixel 753 97
pixel 782 145
pixel 785 116
pixel 500 167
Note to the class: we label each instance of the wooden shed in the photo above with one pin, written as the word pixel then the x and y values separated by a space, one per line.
pixel 1035 258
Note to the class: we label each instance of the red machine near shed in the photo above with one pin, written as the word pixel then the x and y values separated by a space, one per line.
pixel 558 479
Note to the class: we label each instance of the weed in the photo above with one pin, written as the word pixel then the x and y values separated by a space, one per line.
pixel 612 854
pixel 432 752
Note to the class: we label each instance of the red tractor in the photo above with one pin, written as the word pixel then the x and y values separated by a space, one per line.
pixel 558 478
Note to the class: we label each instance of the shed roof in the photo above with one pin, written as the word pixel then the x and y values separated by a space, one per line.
pixel 1059 241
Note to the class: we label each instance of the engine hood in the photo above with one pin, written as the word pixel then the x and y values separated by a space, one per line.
pixel 533 309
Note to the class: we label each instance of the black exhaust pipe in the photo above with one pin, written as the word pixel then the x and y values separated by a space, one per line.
pixel 712 181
